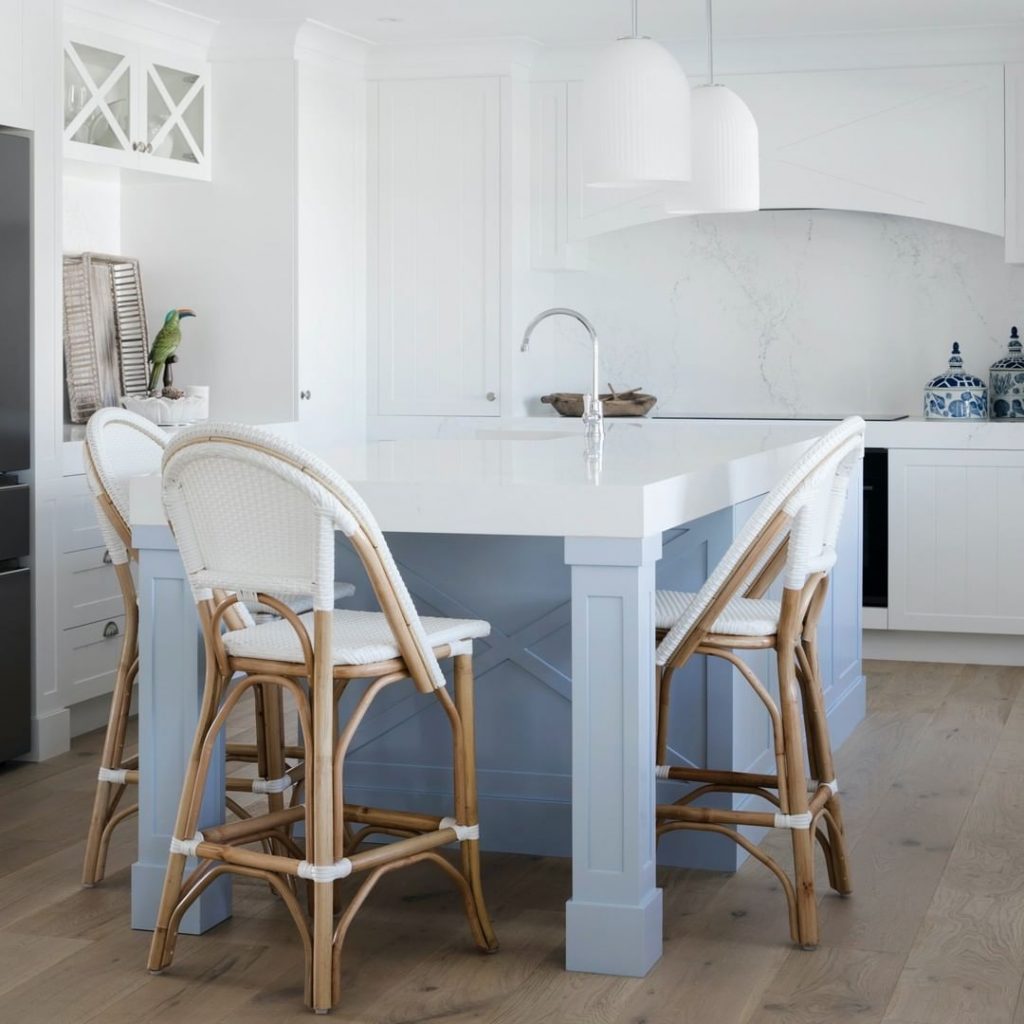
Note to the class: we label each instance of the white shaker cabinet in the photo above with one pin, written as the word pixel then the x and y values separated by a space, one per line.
pixel 1014 98
pixel 956 550
pixel 13 78
pixel 133 107
pixel 434 254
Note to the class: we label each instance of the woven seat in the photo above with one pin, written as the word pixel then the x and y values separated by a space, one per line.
pixel 357 638
pixel 743 616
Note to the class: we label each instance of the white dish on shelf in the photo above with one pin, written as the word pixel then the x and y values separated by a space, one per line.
pixel 170 412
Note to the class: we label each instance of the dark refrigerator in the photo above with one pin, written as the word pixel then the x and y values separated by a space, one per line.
pixel 15 446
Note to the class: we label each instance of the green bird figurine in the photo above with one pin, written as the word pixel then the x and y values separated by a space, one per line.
pixel 166 343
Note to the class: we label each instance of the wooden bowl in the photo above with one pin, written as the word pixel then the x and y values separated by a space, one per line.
pixel 632 403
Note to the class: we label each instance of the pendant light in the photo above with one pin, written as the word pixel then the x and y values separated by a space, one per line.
pixel 636 115
pixel 726 173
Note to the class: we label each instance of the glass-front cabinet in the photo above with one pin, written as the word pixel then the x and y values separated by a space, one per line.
pixel 132 107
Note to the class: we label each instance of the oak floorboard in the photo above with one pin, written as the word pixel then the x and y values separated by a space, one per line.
pixel 932 935
pixel 968 957
pixel 24 956
pixel 899 859
pixel 833 985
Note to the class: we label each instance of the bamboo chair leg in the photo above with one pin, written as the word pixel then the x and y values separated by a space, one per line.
pixel 94 866
pixel 466 766
pixel 664 683
pixel 796 793
pixel 805 679
pixel 273 722
pixel 321 843
pixel 161 950
pixel 817 726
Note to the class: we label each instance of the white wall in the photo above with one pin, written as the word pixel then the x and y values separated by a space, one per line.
pixel 92 210
pixel 784 312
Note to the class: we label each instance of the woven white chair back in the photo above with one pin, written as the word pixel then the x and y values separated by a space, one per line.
pixel 806 503
pixel 119 445
pixel 255 514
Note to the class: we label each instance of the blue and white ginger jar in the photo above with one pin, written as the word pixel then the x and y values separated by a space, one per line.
pixel 956 395
pixel 1006 383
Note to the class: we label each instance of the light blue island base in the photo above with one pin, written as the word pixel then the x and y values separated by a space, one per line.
pixel 565 705
pixel 522 586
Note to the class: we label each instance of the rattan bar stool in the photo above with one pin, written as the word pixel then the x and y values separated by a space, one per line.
pixel 793 532
pixel 120 445
pixel 253 514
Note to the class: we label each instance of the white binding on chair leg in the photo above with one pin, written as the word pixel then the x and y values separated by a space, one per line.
pixel 187 846
pixel 798 821
pixel 281 785
pixel 462 832
pixel 833 785
pixel 118 775
pixel 326 872
pixel 661 771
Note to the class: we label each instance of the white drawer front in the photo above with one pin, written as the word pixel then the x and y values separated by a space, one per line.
pixel 88 588
pixel 76 517
pixel 88 659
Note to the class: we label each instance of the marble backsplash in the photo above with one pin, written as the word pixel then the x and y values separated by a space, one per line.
pixel 787 312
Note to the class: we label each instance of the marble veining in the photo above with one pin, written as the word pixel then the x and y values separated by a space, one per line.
pixel 782 312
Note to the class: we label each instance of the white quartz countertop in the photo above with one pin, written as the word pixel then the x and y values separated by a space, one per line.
pixel 911 432
pixel 521 481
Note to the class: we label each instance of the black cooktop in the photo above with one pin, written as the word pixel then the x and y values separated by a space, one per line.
pixel 870 417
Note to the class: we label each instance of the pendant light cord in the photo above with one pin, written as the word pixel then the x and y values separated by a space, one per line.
pixel 711 48
pixel 636 21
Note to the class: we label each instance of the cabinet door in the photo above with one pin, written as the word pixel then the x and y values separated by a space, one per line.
pixel 13 91
pixel 1014 94
pixel 956 551
pixel 916 142
pixel 434 245
pixel 174 115
pixel 99 98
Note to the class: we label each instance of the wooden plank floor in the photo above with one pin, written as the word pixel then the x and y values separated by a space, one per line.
pixel 933 783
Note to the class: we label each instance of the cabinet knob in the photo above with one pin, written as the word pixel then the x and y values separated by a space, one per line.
pixel 107 560
pixel 149 147
pixel 135 147
pixel 110 629
pixel 491 396
pixel 306 395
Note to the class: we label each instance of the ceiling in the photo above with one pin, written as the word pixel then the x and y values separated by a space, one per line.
pixel 555 22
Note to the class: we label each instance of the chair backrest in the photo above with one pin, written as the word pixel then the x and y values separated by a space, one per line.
pixel 806 506
pixel 119 445
pixel 255 514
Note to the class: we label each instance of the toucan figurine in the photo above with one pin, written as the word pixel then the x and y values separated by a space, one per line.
pixel 166 343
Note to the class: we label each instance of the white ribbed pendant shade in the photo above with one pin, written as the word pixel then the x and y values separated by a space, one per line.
pixel 726 173
pixel 636 117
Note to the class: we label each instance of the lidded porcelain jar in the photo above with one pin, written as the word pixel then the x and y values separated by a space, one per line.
pixel 1006 383
pixel 956 395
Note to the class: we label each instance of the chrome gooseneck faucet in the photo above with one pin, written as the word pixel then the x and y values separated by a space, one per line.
pixel 593 414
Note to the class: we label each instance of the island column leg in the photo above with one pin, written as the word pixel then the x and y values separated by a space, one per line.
pixel 169 688
pixel 613 921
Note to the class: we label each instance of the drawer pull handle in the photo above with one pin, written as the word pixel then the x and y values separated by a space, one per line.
pixel 110 629
pixel 107 560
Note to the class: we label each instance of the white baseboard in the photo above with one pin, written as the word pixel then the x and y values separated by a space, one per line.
pixel 951 648
pixel 51 735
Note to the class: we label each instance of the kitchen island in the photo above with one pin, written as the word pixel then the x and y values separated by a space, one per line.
pixel 562 556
